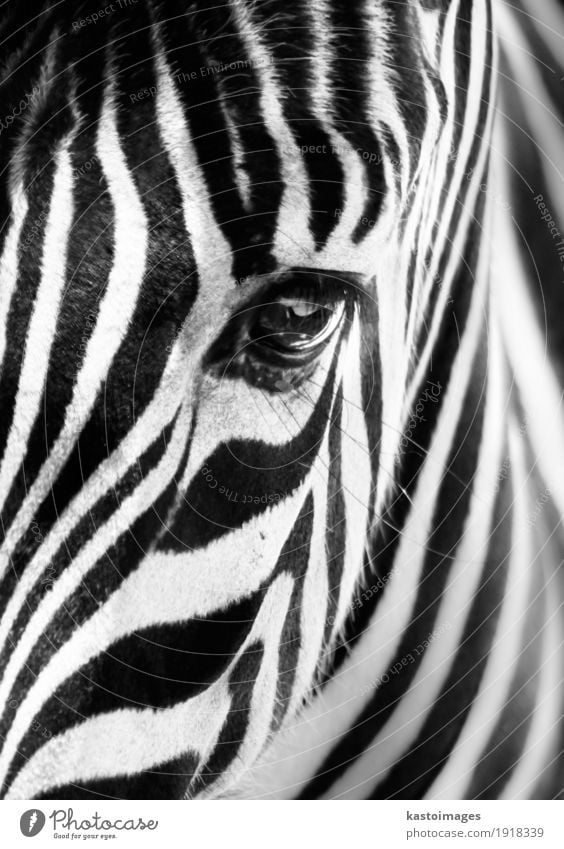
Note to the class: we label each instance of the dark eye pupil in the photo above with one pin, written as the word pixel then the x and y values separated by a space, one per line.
pixel 298 323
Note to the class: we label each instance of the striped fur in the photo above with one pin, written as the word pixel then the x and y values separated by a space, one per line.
pixel 226 578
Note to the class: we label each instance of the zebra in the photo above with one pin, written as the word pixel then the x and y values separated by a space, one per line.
pixel 281 371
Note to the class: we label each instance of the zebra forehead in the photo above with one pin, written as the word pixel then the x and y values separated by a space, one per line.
pixel 276 104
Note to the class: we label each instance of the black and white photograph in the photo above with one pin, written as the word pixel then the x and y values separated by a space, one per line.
pixel 282 422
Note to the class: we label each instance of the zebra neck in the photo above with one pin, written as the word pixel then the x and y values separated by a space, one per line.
pixel 437 687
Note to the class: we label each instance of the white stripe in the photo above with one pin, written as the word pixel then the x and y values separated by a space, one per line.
pixel 41 331
pixel 429 22
pixel 313 612
pixel 356 473
pixel 237 149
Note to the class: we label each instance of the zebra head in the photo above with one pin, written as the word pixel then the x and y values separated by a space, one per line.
pixel 238 246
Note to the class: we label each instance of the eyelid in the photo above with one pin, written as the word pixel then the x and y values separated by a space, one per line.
pixel 302 284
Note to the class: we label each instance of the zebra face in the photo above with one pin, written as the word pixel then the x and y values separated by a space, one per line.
pixel 205 353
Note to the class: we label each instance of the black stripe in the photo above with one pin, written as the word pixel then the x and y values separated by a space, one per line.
pixel 155 668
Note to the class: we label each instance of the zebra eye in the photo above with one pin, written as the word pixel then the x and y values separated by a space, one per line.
pixel 275 340
pixel 295 327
